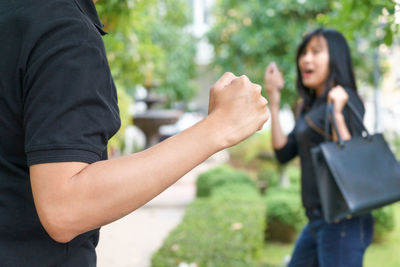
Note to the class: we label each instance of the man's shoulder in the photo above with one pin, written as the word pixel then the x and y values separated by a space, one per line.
pixel 41 16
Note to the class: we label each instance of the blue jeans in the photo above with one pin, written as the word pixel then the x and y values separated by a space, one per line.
pixel 341 244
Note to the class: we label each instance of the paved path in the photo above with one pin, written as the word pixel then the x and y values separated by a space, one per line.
pixel 131 241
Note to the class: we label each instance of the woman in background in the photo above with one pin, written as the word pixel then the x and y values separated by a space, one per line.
pixel 324 76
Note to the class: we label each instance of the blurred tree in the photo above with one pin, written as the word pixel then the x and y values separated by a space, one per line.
pixel 367 24
pixel 247 35
pixel 148 43
pixel 371 19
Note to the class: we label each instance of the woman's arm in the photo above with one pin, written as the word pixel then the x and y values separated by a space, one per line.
pixel 279 139
pixel 339 97
pixel 74 197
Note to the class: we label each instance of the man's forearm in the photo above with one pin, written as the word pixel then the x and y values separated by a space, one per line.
pixel 75 197
pixel 108 190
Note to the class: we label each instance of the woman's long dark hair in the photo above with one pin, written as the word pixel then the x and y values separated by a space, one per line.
pixel 340 65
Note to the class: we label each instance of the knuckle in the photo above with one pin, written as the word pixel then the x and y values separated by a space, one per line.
pixel 215 90
pixel 263 102
pixel 240 81
pixel 244 78
pixel 229 75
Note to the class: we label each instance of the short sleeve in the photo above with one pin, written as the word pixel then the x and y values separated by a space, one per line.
pixel 289 151
pixel 69 97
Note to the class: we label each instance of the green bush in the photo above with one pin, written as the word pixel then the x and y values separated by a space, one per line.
pixel 294 174
pixel 249 150
pixel 384 222
pixel 116 144
pixel 216 232
pixel 236 192
pixel 269 177
pixel 285 214
pixel 219 176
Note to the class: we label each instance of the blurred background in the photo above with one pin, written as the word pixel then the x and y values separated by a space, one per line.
pixel 166 54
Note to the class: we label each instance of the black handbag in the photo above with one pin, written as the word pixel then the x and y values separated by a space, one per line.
pixel 354 176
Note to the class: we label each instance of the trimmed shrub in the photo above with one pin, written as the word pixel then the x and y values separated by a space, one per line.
pixel 224 229
pixel 268 177
pixel 384 222
pixel 285 214
pixel 236 192
pixel 294 174
pixel 220 176
pixel 216 232
pixel 271 176
pixel 248 151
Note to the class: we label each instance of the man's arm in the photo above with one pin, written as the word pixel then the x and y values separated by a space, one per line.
pixel 73 197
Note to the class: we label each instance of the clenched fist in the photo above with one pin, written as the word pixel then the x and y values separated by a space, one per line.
pixel 237 107
pixel 339 97
pixel 274 83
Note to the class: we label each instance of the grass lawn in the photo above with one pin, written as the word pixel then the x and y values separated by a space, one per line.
pixel 273 254
pixel 387 253
pixel 382 254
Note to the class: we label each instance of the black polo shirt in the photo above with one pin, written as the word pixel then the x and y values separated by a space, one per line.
pixel 58 103
pixel 308 133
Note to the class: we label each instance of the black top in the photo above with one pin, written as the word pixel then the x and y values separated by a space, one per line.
pixel 58 103
pixel 308 133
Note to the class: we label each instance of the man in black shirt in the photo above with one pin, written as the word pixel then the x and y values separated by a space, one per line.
pixel 58 109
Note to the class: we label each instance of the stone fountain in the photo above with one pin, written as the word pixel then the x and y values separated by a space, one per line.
pixel 150 120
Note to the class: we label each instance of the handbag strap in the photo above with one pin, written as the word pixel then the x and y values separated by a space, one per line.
pixel 330 117
pixel 358 117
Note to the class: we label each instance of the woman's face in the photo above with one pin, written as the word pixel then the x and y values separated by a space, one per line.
pixel 314 64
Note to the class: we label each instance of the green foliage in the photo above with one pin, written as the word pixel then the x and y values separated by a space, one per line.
pixel 285 212
pixel 356 18
pixel 235 191
pixel 294 174
pixel 270 176
pixel 148 44
pixel 384 222
pixel 216 232
pixel 249 34
pixel 393 138
pixel 117 142
pixel 285 206
pixel 366 24
pixel 220 176
pixel 384 253
pixel 249 150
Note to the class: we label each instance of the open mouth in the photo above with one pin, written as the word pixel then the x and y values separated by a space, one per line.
pixel 307 72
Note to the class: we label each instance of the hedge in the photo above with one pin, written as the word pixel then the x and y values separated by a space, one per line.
pixel 285 214
pixel 225 229
pixel 220 176
pixel 384 222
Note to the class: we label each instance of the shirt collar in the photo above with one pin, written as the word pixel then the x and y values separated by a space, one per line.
pixel 87 7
